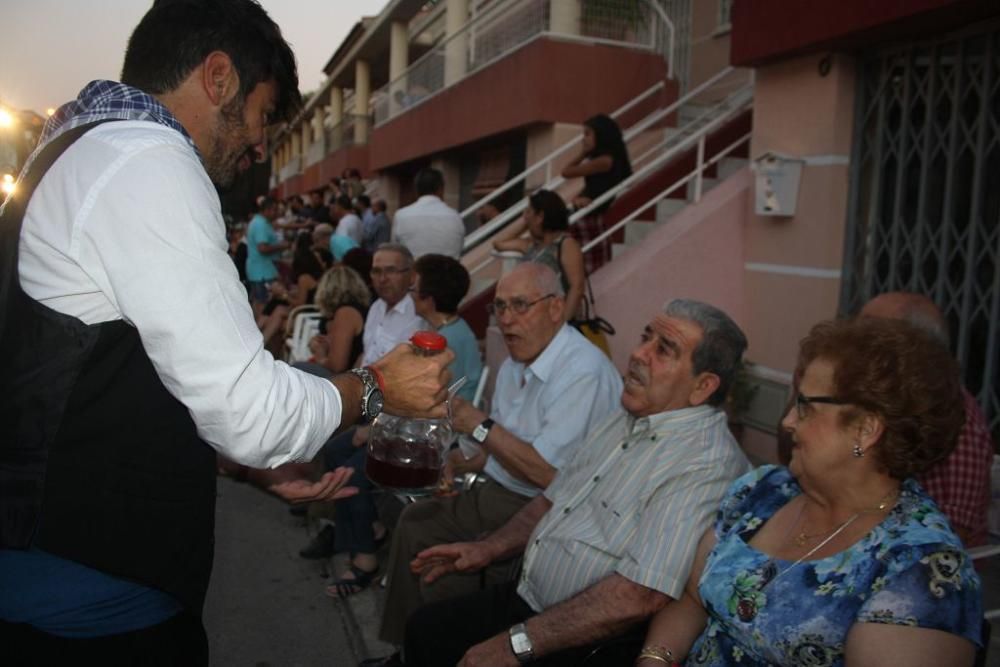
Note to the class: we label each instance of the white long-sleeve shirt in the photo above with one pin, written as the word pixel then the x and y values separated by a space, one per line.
pixel 127 226
pixel 427 226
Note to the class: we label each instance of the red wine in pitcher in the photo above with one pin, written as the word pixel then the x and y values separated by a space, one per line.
pixel 421 472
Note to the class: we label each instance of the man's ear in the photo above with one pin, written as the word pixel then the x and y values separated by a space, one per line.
pixel 704 386
pixel 557 307
pixel 219 78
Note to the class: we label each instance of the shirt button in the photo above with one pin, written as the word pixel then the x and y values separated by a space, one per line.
pixel 624 445
pixel 597 477
pixel 566 511
pixel 538 542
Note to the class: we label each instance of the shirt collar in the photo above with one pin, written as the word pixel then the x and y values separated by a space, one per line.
pixel 544 364
pixel 404 306
pixel 661 422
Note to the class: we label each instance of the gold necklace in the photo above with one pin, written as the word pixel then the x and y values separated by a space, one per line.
pixel 802 538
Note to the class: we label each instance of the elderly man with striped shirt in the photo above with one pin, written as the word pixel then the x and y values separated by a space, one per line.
pixel 612 539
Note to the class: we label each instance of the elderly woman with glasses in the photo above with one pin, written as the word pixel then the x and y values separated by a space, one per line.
pixel 841 558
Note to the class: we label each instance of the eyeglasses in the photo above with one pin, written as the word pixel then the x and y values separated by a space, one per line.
pixel 519 306
pixel 388 271
pixel 802 403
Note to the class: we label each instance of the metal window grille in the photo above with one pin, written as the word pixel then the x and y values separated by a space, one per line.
pixel 924 209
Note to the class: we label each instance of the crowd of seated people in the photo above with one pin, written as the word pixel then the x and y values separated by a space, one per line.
pixel 656 526
pixel 610 508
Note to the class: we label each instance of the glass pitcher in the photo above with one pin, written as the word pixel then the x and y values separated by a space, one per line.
pixel 406 454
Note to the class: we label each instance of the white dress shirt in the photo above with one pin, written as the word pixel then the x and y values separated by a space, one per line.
pixel 553 403
pixel 127 226
pixel 385 328
pixel 427 226
pixel 350 226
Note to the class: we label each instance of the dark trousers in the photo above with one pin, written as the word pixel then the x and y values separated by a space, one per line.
pixel 178 641
pixel 439 634
pixel 354 516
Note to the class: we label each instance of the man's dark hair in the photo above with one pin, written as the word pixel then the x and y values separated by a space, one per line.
pixel 444 279
pixel 364 201
pixel 379 206
pixel 175 36
pixel 429 181
pixel 344 202
pixel 266 203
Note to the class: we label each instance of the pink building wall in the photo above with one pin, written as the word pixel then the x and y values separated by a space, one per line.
pixel 697 254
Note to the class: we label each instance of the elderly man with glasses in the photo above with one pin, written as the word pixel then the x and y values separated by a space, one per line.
pixel 555 387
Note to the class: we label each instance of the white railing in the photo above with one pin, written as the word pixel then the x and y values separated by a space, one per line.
pixel 291 168
pixel 343 133
pixel 691 136
pixel 504 26
pixel 553 181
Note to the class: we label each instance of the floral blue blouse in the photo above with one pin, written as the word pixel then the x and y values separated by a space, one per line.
pixel 909 570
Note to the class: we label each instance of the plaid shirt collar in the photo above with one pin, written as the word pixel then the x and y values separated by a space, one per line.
pixel 101 100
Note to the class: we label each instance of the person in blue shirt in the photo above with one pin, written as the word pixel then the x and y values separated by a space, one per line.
pixel 263 249
pixel 440 285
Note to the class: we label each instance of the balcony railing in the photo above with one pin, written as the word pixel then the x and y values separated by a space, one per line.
pixel 352 130
pixel 507 25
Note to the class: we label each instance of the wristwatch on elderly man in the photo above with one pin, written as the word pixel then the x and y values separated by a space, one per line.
pixel 372 396
pixel 481 432
pixel 520 644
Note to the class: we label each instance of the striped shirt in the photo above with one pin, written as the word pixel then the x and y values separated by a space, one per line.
pixel 634 500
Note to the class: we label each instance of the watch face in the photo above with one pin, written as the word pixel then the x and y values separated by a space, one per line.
pixel 375 403
pixel 520 642
pixel 479 434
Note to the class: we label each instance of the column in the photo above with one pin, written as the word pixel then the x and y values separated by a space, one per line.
pixel 336 118
pixel 306 129
pixel 564 17
pixel 318 128
pixel 399 49
pixel 457 40
pixel 362 93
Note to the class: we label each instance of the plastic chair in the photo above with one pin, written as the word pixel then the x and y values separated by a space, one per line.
pixel 304 327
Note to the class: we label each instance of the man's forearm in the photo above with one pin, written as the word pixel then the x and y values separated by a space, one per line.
pixel 605 610
pixel 518 457
pixel 350 388
pixel 510 539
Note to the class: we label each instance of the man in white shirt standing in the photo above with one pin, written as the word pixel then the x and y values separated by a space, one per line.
pixel 131 353
pixel 555 388
pixel 348 223
pixel 428 225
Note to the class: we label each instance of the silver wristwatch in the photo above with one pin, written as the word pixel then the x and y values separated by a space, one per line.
pixel 480 433
pixel 520 644
pixel 371 397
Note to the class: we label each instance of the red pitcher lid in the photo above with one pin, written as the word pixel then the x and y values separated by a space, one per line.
pixel 429 340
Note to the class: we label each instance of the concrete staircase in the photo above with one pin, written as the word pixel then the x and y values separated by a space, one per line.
pixel 637 230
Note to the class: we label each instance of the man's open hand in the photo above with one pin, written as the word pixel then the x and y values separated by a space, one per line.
pixel 437 561
pixel 295 483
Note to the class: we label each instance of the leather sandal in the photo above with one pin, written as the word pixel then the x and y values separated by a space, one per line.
pixel 344 588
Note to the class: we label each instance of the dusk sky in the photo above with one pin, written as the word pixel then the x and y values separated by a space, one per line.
pixel 50 49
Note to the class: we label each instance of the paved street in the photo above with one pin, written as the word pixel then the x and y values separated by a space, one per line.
pixel 265 605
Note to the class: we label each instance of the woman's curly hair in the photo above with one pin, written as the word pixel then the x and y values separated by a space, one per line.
pixel 900 373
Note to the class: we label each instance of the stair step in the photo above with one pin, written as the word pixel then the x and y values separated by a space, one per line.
pixel 618 249
pixel 706 185
pixel 636 231
pixel 729 166
pixel 665 208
